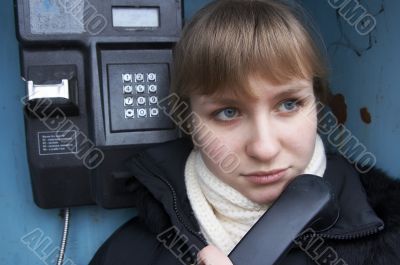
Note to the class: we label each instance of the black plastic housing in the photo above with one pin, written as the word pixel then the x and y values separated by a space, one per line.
pixel 77 146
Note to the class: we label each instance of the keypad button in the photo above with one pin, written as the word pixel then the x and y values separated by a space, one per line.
pixel 141 113
pixel 127 77
pixel 128 89
pixel 140 88
pixel 153 100
pixel 152 88
pixel 151 77
pixel 129 113
pixel 154 112
pixel 128 101
pixel 139 77
pixel 141 100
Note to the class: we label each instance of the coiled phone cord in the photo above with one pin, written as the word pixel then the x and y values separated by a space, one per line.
pixel 64 236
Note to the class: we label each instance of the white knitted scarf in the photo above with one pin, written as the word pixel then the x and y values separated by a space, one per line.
pixel 224 214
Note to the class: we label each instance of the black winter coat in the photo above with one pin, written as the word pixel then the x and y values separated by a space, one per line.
pixel 165 231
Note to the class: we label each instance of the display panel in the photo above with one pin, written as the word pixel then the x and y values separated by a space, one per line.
pixel 132 17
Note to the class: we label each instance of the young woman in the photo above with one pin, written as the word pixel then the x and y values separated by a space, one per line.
pixel 249 77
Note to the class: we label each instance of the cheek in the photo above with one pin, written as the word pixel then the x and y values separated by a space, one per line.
pixel 214 138
pixel 307 117
pixel 306 122
pixel 300 136
pixel 211 163
pixel 222 153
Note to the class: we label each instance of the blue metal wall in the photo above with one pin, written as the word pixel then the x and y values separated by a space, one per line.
pixel 364 69
pixel 369 80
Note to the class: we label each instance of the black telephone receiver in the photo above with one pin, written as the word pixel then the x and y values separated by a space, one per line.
pixel 306 202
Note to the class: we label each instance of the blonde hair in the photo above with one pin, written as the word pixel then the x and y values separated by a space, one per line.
pixel 228 40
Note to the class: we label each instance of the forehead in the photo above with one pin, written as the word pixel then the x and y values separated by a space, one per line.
pixel 264 87
pixel 257 88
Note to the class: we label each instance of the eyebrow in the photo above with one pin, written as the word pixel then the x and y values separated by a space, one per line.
pixel 290 91
pixel 228 100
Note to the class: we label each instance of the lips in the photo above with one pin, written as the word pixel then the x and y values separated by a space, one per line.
pixel 266 177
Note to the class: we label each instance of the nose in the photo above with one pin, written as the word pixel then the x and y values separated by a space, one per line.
pixel 263 142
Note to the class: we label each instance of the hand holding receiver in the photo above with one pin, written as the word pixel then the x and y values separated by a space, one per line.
pixel 210 255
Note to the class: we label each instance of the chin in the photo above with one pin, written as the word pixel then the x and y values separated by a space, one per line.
pixel 266 197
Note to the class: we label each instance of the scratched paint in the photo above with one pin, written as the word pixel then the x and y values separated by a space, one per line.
pixel 337 103
pixel 365 115
pixel 350 39
pixel 49 17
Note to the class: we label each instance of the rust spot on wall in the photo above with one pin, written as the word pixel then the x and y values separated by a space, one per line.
pixel 365 115
pixel 337 103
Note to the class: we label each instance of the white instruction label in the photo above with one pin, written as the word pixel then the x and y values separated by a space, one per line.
pixel 55 143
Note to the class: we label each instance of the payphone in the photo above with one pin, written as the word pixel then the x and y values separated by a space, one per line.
pixel 95 71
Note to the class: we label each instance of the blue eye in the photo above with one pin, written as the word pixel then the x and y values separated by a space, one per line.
pixel 289 105
pixel 226 114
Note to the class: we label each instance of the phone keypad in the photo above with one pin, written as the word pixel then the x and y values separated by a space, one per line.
pixel 151 77
pixel 140 88
pixel 139 77
pixel 153 100
pixel 128 101
pixel 126 78
pixel 142 113
pixel 152 88
pixel 135 91
pixel 143 88
pixel 141 101
pixel 128 89
pixel 154 112
pixel 129 113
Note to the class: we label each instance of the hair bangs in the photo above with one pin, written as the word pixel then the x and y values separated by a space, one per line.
pixel 242 39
